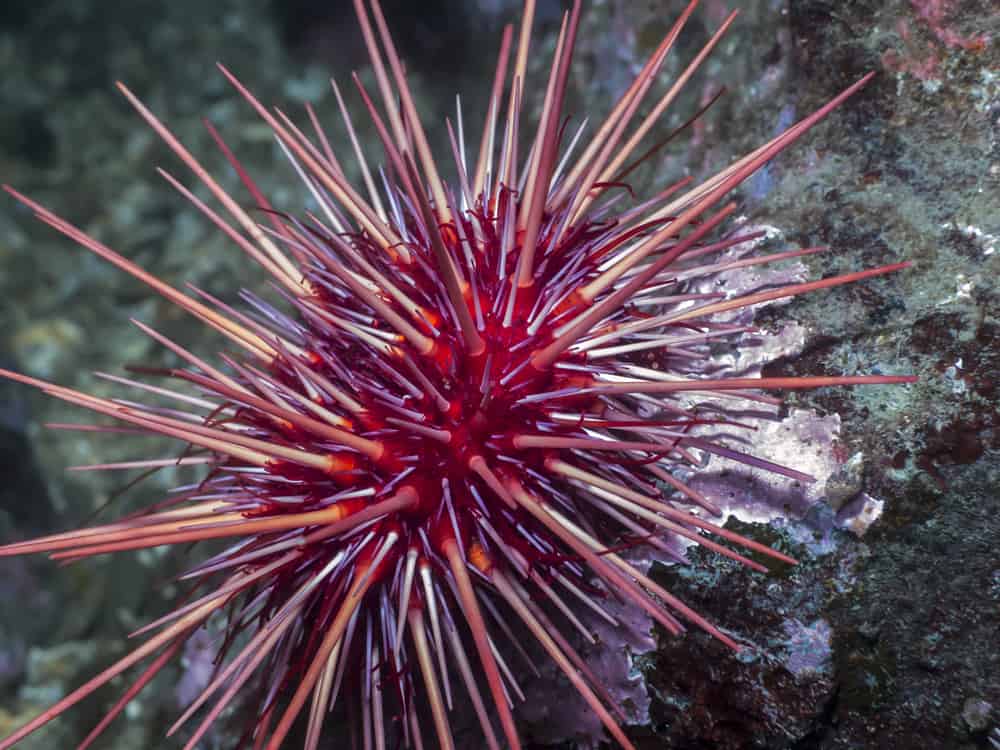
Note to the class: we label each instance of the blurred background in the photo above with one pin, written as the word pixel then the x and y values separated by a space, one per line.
pixel 909 169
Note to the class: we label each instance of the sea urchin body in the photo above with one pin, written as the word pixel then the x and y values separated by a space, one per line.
pixel 448 425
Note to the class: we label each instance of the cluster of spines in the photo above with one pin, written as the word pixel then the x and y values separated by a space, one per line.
pixel 446 431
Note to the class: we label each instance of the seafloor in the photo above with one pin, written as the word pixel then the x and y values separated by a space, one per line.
pixel 890 639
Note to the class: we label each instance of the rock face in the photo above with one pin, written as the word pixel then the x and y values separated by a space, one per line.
pixel 881 639
pixel 909 170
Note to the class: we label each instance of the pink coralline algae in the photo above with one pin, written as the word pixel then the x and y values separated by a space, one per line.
pixel 920 58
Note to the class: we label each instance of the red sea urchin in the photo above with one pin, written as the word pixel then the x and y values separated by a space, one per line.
pixel 450 427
